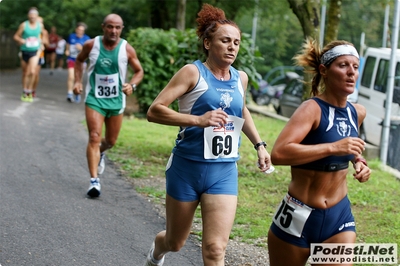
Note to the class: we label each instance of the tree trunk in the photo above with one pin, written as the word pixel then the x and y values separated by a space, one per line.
pixel 159 16
pixel 180 14
pixel 333 19
pixel 308 13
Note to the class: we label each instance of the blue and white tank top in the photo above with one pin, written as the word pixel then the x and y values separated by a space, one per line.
pixel 210 94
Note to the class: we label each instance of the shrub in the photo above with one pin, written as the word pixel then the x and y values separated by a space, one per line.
pixel 162 53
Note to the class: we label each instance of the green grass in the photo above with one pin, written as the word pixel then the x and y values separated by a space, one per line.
pixel 143 149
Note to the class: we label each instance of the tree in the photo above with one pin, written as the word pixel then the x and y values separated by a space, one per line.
pixel 181 14
pixel 333 18
pixel 308 13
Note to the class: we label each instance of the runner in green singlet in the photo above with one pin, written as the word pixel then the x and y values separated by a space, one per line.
pixel 106 89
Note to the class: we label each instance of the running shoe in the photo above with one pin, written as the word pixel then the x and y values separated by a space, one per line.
pixel 26 97
pixel 70 97
pixel 102 164
pixel 33 94
pixel 94 189
pixel 149 260
pixel 77 98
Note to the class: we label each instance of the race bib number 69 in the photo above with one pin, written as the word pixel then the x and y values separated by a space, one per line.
pixel 223 141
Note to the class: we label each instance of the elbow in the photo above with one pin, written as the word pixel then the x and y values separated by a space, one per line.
pixel 277 158
pixel 150 115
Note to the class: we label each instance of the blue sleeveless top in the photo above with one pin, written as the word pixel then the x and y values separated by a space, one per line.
pixel 336 123
pixel 208 94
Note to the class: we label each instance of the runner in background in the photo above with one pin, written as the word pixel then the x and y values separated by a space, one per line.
pixel 74 45
pixel 51 49
pixel 44 36
pixel 60 51
pixel 106 90
pixel 28 37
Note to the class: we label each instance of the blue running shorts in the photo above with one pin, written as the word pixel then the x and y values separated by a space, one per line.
pixel 187 180
pixel 321 225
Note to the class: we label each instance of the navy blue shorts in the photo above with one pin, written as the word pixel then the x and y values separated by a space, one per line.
pixel 187 180
pixel 28 55
pixel 321 225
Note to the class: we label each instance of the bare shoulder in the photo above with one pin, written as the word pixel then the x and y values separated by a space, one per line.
pixel 309 112
pixel 89 43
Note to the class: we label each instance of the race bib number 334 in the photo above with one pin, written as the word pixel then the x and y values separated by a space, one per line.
pixel 223 141
pixel 106 86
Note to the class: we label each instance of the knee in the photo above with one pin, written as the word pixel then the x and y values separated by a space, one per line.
pixel 174 245
pixel 94 137
pixel 214 251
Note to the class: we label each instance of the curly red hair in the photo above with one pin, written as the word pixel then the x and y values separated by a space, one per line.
pixel 209 19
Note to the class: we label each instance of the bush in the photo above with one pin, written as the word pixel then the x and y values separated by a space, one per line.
pixel 162 53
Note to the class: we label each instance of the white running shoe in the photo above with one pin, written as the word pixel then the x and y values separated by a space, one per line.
pixel 102 164
pixel 149 260
pixel 95 187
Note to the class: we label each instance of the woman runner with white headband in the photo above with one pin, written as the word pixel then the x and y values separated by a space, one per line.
pixel 316 208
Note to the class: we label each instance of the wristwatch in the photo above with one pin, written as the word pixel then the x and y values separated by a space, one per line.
pixel 133 86
pixel 262 143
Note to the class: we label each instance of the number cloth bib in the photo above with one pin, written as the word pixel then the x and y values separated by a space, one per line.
pixel 31 42
pixel 106 86
pixel 291 215
pixel 220 142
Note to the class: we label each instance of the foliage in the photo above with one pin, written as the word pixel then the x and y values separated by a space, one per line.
pixel 162 53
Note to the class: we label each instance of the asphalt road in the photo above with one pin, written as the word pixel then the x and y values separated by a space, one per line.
pixel 45 217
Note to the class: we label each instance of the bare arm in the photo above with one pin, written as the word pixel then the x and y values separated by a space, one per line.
pixel 67 49
pixel 250 130
pixel 45 36
pixel 134 62
pixel 183 81
pixel 288 150
pixel 18 34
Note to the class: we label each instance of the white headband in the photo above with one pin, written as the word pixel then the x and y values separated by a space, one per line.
pixel 33 11
pixel 337 51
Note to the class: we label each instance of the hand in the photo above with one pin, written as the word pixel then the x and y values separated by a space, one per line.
pixel 350 145
pixel 127 89
pixel 264 159
pixel 78 88
pixel 362 173
pixel 217 118
pixel 78 47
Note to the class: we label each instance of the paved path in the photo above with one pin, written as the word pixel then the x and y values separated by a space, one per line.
pixel 45 216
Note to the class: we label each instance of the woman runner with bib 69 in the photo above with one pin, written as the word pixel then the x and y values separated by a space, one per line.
pixel 202 168
pixel 318 142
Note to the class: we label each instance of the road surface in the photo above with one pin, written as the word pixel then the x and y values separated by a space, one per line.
pixel 45 216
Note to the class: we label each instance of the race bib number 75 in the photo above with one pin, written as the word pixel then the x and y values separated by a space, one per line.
pixel 223 141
